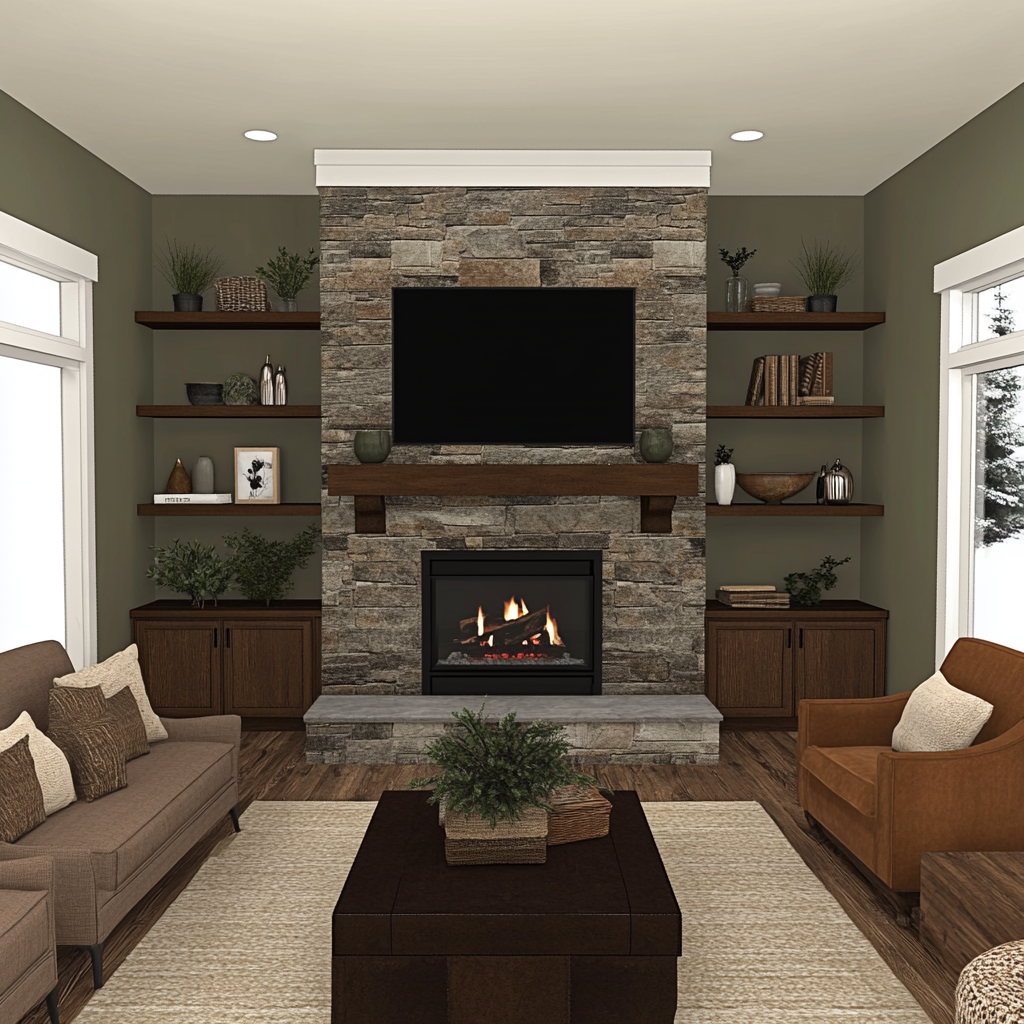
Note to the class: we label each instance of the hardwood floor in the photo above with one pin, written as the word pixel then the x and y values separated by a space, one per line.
pixel 753 765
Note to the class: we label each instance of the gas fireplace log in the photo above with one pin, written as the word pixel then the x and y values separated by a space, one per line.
pixel 470 625
pixel 515 630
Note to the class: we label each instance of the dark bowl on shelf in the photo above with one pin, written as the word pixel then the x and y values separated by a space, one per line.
pixel 205 394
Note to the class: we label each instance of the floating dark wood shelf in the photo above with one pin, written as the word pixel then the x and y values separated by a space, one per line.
pixel 748 508
pixel 217 412
pixel 219 320
pixel 284 509
pixel 794 321
pixel 657 486
pixel 794 412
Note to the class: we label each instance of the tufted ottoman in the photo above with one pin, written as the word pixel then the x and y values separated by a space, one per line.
pixel 991 987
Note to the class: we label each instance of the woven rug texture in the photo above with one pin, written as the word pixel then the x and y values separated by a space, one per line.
pixel 249 939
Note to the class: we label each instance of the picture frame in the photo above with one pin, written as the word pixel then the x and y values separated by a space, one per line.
pixel 258 476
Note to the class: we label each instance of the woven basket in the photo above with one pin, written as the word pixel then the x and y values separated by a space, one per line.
pixel 471 840
pixel 580 812
pixel 779 304
pixel 248 294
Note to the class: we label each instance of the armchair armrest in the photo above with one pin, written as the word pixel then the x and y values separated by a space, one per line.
pixel 859 722
pixel 30 874
pixel 209 729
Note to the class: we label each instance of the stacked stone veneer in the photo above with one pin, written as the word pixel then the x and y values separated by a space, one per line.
pixel 650 239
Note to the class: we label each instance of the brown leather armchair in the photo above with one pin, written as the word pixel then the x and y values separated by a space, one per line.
pixel 887 808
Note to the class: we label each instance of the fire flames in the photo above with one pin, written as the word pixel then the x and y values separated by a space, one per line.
pixel 515 609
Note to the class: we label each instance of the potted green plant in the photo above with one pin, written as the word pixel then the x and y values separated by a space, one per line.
pixel 189 271
pixel 736 287
pixel 288 275
pixel 194 569
pixel 262 568
pixel 824 269
pixel 493 783
pixel 805 587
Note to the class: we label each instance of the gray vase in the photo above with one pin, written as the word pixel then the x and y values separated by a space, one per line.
pixel 202 475
pixel 656 444
pixel 372 445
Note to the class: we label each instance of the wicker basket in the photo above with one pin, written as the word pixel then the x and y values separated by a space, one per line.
pixel 471 840
pixel 580 812
pixel 779 304
pixel 248 294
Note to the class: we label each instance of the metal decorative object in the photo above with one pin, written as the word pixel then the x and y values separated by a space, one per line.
pixel 280 387
pixel 838 485
pixel 267 383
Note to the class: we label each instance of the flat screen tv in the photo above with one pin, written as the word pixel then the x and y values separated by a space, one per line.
pixel 534 366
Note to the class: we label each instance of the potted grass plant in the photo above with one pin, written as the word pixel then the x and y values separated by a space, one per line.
pixel 189 271
pixel 288 274
pixel 824 268
pixel 493 783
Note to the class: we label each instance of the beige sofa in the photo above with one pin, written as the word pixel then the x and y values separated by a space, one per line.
pixel 28 954
pixel 108 854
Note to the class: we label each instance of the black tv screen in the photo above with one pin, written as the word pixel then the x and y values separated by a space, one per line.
pixel 536 366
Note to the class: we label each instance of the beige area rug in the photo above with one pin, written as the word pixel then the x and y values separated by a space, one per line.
pixel 249 939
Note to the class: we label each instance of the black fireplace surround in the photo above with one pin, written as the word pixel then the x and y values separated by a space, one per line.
pixel 511 622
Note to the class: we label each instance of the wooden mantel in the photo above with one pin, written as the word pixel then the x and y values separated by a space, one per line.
pixel 657 486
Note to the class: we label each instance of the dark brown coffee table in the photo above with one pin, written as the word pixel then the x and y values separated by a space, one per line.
pixel 590 937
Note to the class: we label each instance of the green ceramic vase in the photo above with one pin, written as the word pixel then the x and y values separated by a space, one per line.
pixel 656 444
pixel 372 445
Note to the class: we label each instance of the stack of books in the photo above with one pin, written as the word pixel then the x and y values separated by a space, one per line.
pixel 753 595
pixel 193 499
pixel 791 380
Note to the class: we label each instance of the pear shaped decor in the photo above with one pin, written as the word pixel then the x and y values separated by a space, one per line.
pixel 179 481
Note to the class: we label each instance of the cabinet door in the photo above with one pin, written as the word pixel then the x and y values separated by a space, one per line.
pixel 840 659
pixel 268 667
pixel 180 664
pixel 750 668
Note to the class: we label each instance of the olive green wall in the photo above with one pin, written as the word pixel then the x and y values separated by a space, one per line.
pixel 764 550
pixel 50 181
pixel 967 189
pixel 246 231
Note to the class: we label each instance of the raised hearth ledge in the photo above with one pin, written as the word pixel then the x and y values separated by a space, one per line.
pixel 604 729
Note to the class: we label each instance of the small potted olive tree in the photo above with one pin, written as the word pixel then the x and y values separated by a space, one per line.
pixel 288 275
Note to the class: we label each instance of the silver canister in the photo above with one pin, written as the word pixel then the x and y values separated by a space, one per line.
pixel 280 387
pixel 267 383
pixel 838 485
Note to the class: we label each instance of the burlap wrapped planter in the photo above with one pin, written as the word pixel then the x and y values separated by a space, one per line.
pixel 580 812
pixel 471 840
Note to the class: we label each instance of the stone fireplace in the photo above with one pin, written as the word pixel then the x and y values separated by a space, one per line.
pixel 563 227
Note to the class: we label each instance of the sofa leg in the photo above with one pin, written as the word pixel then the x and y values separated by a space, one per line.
pixel 907 908
pixel 51 1004
pixel 96 952
pixel 234 818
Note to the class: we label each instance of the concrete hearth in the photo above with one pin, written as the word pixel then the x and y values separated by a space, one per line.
pixel 605 729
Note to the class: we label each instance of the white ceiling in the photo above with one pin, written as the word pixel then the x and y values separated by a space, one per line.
pixel 846 93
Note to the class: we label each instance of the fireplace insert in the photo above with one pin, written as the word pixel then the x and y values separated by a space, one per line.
pixel 520 622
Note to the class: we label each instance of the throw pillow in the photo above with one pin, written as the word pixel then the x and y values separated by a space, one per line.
pixel 120 670
pixel 86 730
pixel 129 723
pixel 52 768
pixel 21 805
pixel 938 716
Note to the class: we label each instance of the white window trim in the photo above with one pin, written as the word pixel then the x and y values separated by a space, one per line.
pixel 958 280
pixel 29 247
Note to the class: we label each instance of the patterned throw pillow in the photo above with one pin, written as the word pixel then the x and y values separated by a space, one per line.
pixel 129 723
pixel 120 670
pixel 52 768
pixel 938 716
pixel 21 799
pixel 87 731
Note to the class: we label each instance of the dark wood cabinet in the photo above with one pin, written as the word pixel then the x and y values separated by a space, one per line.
pixel 760 663
pixel 237 658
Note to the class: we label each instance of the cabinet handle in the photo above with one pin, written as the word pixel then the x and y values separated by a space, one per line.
pixel 214 636
pixel 227 636
pixel 801 639
pixel 789 638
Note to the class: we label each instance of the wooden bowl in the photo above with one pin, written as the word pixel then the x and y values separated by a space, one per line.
pixel 774 488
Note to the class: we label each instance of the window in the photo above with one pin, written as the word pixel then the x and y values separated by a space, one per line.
pixel 981 469
pixel 47 547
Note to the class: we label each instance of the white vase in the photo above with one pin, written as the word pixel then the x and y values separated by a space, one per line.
pixel 725 483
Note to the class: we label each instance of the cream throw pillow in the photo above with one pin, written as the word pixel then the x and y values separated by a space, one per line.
pixel 52 768
pixel 117 672
pixel 938 716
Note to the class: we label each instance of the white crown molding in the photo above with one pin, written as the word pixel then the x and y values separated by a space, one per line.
pixel 650 168
pixel 21 237
pixel 971 268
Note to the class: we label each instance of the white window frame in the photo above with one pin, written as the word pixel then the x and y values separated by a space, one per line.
pixel 958 281
pixel 30 248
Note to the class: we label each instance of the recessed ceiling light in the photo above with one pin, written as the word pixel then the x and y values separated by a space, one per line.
pixel 747 136
pixel 259 135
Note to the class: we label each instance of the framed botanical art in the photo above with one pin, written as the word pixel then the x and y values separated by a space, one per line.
pixel 258 476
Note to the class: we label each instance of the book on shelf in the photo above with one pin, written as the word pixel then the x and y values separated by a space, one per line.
pixel 755 389
pixel 753 599
pixel 816 400
pixel 787 379
pixel 742 588
pixel 771 380
pixel 192 499
pixel 783 397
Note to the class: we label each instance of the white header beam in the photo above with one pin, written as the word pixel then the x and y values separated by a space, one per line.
pixel 539 168
pixel 25 238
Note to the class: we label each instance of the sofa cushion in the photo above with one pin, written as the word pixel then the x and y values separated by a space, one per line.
pixel 21 799
pixel 124 829
pixel 52 768
pixel 129 723
pixel 938 716
pixel 86 730
pixel 24 933
pixel 849 772
pixel 120 670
